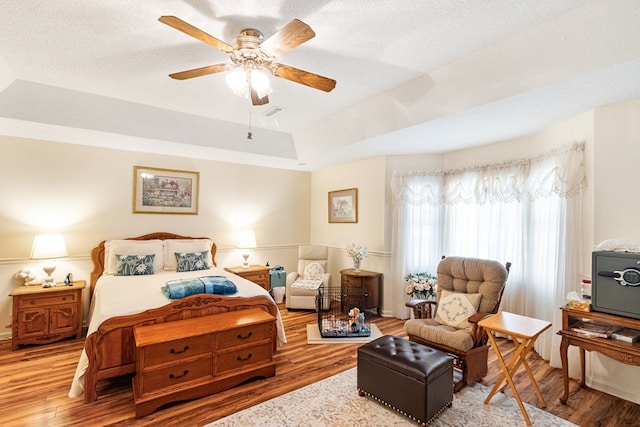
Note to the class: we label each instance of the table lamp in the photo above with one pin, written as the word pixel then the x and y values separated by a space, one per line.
pixel 49 247
pixel 246 240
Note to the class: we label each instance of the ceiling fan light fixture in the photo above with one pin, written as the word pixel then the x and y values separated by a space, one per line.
pixel 250 55
pixel 260 83
pixel 238 83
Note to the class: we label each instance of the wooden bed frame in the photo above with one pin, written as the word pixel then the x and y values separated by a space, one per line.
pixel 111 349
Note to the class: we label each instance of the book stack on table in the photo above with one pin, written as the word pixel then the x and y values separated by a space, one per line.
pixel 626 335
pixel 593 329
pixel 601 330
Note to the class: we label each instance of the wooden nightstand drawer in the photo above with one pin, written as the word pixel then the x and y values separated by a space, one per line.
pixel 176 350
pixel 176 374
pixel 243 358
pixel 351 281
pixel 242 336
pixel 258 274
pixel 47 300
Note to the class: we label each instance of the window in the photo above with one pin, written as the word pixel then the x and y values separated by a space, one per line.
pixel 525 212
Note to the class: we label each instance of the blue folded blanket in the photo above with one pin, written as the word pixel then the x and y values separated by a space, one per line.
pixel 180 288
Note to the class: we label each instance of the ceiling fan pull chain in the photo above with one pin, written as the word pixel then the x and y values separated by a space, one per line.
pixel 249 133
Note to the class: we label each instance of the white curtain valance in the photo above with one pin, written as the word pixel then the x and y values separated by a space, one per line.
pixel 560 173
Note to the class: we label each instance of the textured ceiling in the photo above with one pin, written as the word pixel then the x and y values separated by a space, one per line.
pixel 419 76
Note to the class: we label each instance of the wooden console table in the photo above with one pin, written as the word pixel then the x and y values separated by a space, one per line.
pixel 628 353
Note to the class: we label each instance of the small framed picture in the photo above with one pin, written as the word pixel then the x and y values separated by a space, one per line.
pixel 343 205
pixel 165 191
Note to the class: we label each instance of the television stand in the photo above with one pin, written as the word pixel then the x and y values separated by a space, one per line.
pixel 621 351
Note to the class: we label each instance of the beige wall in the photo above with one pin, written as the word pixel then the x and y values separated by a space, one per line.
pixel 617 153
pixel 86 193
pixel 368 177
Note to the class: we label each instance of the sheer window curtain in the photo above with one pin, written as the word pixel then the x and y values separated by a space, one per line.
pixel 527 212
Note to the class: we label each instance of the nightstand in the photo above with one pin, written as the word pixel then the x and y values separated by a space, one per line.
pixel 258 274
pixel 369 280
pixel 44 315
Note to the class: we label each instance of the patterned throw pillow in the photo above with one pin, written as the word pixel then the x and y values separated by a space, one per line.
pixel 455 308
pixel 192 261
pixel 313 271
pixel 134 265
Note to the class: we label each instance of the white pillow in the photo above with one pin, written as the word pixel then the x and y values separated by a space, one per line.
pixel 171 246
pixel 455 308
pixel 313 271
pixel 132 247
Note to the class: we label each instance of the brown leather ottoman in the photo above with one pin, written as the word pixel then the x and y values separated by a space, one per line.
pixel 409 377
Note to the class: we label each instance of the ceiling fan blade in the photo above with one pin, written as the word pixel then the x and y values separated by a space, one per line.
pixel 291 35
pixel 256 100
pixel 203 71
pixel 189 29
pixel 303 77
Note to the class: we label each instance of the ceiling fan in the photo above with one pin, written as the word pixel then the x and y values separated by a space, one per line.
pixel 250 54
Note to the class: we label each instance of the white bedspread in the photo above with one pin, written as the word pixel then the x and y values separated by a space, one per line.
pixel 121 295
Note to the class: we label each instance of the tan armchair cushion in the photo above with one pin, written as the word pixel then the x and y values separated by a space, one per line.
pixel 431 330
pixel 472 275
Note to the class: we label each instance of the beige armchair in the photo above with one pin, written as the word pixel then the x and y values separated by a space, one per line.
pixel 468 290
pixel 302 285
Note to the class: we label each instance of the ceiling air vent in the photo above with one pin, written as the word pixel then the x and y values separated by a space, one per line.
pixel 272 111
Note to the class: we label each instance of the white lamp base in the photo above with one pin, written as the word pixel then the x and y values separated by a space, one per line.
pixel 245 264
pixel 48 281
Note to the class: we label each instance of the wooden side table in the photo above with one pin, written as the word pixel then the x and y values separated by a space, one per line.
pixel 369 280
pixel 621 351
pixel 45 315
pixel 524 331
pixel 258 274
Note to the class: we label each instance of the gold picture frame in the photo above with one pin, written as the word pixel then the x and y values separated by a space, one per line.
pixel 343 206
pixel 165 191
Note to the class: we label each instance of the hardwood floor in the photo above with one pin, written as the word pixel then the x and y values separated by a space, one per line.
pixel 35 380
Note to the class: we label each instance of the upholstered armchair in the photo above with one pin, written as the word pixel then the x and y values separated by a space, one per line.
pixel 302 285
pixel 469 289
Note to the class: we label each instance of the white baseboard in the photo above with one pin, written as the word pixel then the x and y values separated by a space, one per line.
pixel 614 391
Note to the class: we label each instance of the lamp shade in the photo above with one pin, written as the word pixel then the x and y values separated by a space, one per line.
pixel 247 240
pixel 47 246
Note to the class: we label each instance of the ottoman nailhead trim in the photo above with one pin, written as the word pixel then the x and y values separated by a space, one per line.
pixel 404 413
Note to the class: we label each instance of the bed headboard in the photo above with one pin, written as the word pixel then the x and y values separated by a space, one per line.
pixel 97 253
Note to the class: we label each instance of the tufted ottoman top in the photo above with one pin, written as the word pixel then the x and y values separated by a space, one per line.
pixel 406 357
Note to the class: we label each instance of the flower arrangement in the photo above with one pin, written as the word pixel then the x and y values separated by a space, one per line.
pixel 357 253
pixel 421 285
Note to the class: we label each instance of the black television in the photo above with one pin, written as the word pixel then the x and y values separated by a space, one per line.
pixel 616 283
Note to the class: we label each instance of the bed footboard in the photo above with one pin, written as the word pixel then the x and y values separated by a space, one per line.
pixel 111 349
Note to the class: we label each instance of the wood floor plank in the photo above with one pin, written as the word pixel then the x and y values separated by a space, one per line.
pixel 35 380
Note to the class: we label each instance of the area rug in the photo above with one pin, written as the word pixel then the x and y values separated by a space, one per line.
pixel 335 402
pixel 314 337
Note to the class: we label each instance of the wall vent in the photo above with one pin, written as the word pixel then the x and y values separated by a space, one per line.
pixel 272 111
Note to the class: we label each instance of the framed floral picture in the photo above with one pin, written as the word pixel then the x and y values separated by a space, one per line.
pixel 343 205
pixel 165 191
